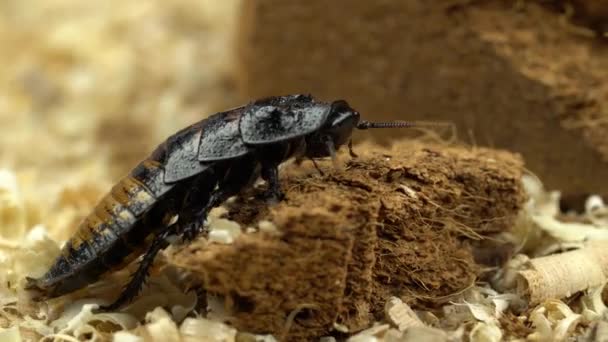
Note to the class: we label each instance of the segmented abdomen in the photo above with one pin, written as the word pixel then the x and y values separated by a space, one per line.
pixel 114 233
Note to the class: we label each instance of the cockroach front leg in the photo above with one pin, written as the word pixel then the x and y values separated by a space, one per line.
pixel 273 192
pixel 191 220
pixel 193 224
pixel 193 215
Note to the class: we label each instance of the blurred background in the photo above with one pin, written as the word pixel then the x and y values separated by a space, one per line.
pixel 89 88
pixel 81 82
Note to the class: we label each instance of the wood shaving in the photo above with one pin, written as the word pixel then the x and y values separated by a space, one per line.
pixel 561 275
pixel 401 315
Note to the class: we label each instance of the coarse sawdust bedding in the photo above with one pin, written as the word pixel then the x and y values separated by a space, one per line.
pixel 348 250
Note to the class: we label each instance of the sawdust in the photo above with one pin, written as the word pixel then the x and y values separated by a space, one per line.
pixel 394 222
pixel 514 327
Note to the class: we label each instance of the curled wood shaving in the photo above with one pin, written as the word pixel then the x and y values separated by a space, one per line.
pixel 561 275
pixel 400 314
pixel 485 332
pixel 554 321
pixel 593 307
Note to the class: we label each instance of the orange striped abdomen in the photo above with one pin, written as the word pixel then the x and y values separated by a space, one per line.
pixel 114 233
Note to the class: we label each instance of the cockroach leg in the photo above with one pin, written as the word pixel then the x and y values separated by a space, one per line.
pixel 317 167
pixel 273 192
pixel 350 149
pixel 138 279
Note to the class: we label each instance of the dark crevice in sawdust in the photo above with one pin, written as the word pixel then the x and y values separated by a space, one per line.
pixel 592 14
pixel 514 327
pixel 404 224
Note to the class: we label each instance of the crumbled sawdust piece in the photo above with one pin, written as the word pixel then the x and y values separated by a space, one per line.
pixel 10 335
pixel 425 334
pixel 223 231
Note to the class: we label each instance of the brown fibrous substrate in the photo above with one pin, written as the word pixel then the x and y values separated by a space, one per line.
pixel 507 74
pixel 407 221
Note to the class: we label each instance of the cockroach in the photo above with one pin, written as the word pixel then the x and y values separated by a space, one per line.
pixel 193 171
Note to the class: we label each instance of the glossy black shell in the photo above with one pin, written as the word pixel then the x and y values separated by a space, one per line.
pixel 122 225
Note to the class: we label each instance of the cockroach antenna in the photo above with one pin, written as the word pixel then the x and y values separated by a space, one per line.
pixel 363 124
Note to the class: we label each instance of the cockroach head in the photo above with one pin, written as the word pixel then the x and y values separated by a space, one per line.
pixel 341 122
pixel 337 130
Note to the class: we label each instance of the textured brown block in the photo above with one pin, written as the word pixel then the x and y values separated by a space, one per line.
pixel 518 78
pixel 401 222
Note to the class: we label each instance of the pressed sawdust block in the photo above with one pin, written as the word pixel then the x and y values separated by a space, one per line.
pixel 393 222
pixel 515 75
